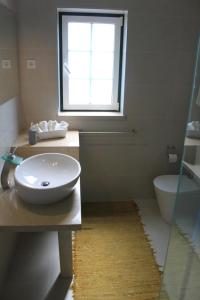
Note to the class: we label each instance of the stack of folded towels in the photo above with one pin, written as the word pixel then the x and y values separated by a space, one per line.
pixel 193 129
pixel 50 129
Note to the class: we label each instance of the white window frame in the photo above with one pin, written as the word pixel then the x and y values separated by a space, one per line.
pixel 94 17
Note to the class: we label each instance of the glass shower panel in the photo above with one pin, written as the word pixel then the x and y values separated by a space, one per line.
pixel 181 277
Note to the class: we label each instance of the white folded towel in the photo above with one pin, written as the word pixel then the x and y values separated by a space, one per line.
pixel 194 125
pixel 49 126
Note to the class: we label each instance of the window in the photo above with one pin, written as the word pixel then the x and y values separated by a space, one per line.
pixel 91 48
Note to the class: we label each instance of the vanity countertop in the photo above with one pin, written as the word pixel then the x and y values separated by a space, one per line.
pixel 71 140
pixel 68 145
pixel 191 142
pixel 16 215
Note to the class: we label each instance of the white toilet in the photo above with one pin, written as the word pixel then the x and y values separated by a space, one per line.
pixel 166 188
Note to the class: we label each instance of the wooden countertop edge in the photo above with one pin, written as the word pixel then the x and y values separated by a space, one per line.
pixel 40 228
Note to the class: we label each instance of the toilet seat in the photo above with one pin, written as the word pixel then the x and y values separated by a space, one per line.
pixel 169 183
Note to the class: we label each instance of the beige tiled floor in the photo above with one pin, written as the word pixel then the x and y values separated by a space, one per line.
pixel 182 271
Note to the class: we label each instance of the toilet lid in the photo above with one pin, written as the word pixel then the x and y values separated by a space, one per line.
pixel 169 183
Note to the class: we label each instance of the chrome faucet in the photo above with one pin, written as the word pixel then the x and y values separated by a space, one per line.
pixel 6 169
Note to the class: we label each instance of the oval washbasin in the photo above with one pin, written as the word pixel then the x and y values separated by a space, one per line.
pixel 46 178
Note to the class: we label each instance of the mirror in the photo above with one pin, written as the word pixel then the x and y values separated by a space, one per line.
pixel 8 54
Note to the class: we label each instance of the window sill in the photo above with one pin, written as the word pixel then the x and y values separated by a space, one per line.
pixel 95 114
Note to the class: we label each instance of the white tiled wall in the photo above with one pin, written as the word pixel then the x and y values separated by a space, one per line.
pixel 9 125
pixel 8 133
pixel 162 37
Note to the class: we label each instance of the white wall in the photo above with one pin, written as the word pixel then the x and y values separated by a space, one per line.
pixel 8 133
pixel 9 123
pixel 162 37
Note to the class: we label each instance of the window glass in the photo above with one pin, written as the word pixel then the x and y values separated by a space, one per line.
pixel 103 36
pixel 102 65
pixel 79 36
pixel 79 64
pixel 101 91
pixel 79 91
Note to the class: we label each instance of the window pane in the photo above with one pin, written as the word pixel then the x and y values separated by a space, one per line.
pixel 101 91
pixel 103 36
pixel 79 64
pixel 79 91
pixel 102 65
pixel 79 36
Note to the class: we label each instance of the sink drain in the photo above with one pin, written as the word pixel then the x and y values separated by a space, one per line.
pixel 45 183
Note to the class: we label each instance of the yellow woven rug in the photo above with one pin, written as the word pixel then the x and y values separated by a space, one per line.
pixel 112 256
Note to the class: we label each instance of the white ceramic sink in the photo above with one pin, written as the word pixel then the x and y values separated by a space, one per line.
pixel 46 178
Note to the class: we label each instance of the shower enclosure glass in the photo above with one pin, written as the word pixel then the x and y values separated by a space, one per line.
pixel 181 277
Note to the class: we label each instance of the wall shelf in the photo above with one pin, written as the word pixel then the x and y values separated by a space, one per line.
pixel 194 169
pixel 191 142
